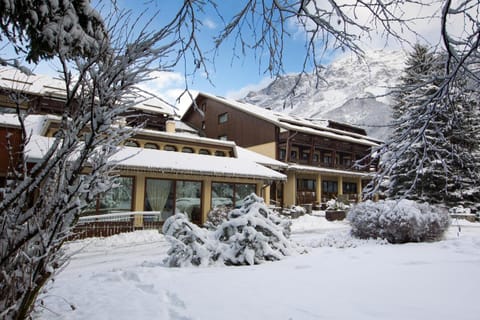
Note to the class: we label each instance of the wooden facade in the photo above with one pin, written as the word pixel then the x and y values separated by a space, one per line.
pixel 240 127
pixel 324 160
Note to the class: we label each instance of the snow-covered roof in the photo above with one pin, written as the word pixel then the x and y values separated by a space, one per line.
pixel 132 158
pixel 327 171
pixel 187 137
pixel 183 128
pixel 294 123
pixel 9 120
pixel 162 161
pixel 13 79
pixel 45 85
pixel 153 105
pixel 256 157
pixel 191 163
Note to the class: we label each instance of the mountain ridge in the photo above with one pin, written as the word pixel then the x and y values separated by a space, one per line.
pixel 350 90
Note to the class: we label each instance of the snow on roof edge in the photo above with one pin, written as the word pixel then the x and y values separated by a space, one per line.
pixel 308 127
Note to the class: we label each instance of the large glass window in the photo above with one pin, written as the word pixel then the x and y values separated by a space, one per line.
pixel 230 194
pixel 169 196
pixel 159 196
pixel 119 198
pixel 241 191
pixel 222 195
pixel 188 196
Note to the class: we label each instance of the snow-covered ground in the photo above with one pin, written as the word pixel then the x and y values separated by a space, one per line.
pixel 123 277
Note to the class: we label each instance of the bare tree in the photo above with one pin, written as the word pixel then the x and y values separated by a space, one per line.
pixel 76 166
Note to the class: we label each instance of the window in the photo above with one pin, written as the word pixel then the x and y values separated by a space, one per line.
pixel 219 153
pixel 293 155
pixel 159 196
pixel 119 198
pixel 223 118
pixel 305 155
pixel 282 153
pixel 188 196
pixel 150 145
pixel 169 147
pixel 222 195
pixel 327 159
pixel 223 137
pixel 131 143
pixel 204 151
pixel 241 191
pixel 349 187
pixel 230 194
pixel 187 150
pixel 329 186
pixel 306 184
pixel 169 196
pixel 316 157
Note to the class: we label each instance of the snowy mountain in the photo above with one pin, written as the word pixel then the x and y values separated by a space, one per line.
pixel 352 91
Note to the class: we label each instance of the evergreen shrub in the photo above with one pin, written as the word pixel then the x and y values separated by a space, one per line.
pixel 398 221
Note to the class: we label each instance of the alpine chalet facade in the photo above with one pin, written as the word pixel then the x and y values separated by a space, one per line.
pixel 324 159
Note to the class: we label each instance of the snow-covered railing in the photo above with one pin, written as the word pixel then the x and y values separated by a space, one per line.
pixel 121 216
pixel 104 225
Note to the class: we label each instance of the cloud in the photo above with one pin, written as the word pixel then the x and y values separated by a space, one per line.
pixel 163 79
pixel 210 24
pixel 167 85
pixel 242 92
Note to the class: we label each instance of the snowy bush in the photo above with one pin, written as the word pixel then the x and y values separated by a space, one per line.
pixel 398 221
pixel 334 204
pixel 190 244
pixel 216 216
pixel 249 235
pixel 253 234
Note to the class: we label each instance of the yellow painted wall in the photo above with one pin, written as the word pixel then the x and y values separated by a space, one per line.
pixel 359 189
pixel 265 194
pixel 318 194
pixel 139 185
pixel 267 149
pixel 290 190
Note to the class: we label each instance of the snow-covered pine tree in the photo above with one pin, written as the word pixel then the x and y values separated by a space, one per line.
pixel 429 154
pixel 464 137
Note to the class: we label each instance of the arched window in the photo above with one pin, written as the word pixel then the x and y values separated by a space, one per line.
pixel 219 153
pixel 131 143
pixel 187 150
pixel 151 145
pixel 169 147
pixel 204 151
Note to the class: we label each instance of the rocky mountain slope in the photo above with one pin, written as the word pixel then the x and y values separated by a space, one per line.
pixel 352 90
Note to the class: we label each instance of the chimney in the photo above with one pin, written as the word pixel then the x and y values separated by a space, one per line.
pixel 170 126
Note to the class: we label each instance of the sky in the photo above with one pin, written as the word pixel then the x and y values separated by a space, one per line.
pixel 231 73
